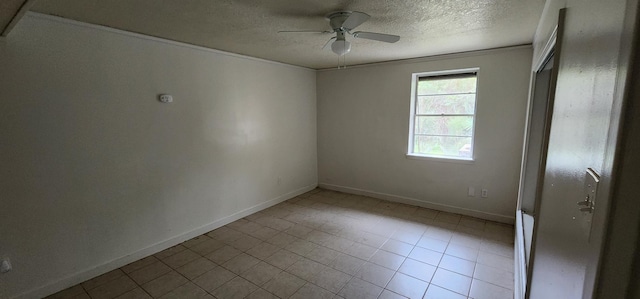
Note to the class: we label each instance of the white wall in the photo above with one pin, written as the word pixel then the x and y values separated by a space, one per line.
pixel 591 80
pixel 96 172
pixel 363 125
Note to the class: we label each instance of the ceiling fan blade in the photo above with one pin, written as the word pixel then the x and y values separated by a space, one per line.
pixel 388 38
pixel 303 31
pixel 354 20
pixel 328 42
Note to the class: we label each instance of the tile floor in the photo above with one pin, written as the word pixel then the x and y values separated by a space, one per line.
pixel 325 244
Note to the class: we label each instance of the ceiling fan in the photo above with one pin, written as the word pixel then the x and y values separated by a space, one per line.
pixel 342 23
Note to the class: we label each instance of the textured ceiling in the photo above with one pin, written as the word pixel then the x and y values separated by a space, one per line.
pixel 250 27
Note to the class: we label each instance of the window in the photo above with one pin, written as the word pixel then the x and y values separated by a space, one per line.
pixel 443 108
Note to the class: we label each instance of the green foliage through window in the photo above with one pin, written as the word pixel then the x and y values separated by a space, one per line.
pixel 444 115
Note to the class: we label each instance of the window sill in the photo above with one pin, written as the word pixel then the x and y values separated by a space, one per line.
pixel 441 159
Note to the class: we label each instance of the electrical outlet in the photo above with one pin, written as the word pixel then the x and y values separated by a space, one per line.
pixel 485 193
pixel 471 192
pixel 166 98
pixel 5 266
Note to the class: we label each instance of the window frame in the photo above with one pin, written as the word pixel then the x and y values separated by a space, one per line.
pixel 415 77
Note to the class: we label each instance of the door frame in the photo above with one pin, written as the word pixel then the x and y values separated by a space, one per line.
pixel 552 49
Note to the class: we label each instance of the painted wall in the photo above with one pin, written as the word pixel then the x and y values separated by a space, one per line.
pixel 363 125
pixel 591 80
pixel 96 172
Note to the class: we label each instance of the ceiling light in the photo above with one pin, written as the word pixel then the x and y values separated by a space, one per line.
pixel 341 47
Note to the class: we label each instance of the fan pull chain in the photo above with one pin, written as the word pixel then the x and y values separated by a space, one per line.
pixel 344 62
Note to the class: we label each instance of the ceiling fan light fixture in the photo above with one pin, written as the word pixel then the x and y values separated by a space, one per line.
pixel 341 47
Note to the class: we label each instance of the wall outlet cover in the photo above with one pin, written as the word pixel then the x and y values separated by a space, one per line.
pixel 5 266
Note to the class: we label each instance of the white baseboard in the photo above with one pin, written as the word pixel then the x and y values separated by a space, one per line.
pixel 86 274
pixel 421 203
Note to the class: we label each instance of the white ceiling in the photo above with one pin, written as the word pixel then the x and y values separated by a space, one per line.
pixel 249 27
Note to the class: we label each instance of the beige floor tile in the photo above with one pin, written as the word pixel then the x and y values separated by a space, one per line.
pixel 82 296
pixel 169 251
pixel 407 286
pixel 263 250
pixel 448 217
pixel 463 252
pixel 181 258
pixel 225 234
pixel 68 293
pixel 311 291
pixel 248 226
pixel 275 223
pixel 436 292
pixel 318 237
pixel 357 288
pixel 386 294
pixel 407 236
pixel 452 281
pixel 102 279
pixel 187 290
pixel 238 224
pixel 283 259
pixel 339 244
pixel 494 275
pixel 136 293
pixel 282 239
pixel 397 247
pixel 139 264
pixel 466 240
pixel 458 265
pixel 499 248
pixel 375 274
pixel 195 241
pixel 387 259
pixel 332 228
pixel 261 273
pixel 299 231
pixel 371 239
pixel 149 272
pixel 426 213
pixel 426 255
pixel 113 288
pixel 261 294
pixel 245 243
pixel 301 247
pixel 322 255
pixel 264 233
pixel 214 278
pixel 326 244
pixel 432 244
pixel 484 290
pixel 240 263
pixel 207 246
pixel 361 251
pixel 164 284
pixel 440 230
pixel 470 231
pixel 347 264
pixel 496 261
pixel 284 285
pixel 417 269
pixel 196 268
pixel 472 222
pixel 305 268
pixel 223 254
pixel 330 279
pixel 236 288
